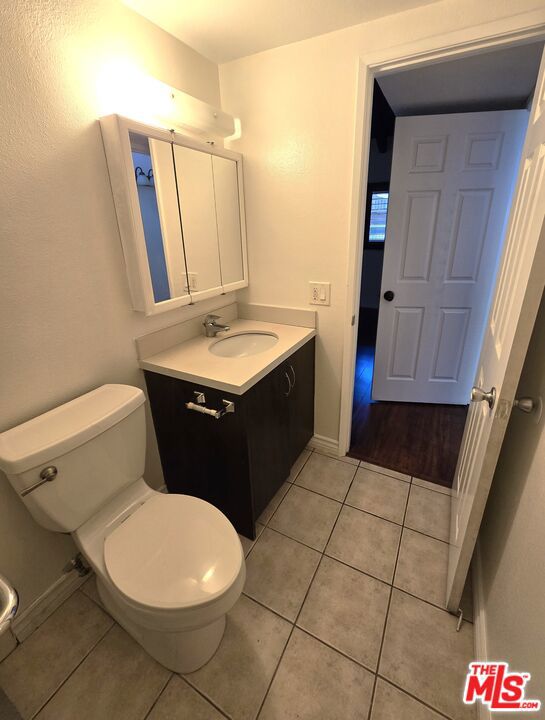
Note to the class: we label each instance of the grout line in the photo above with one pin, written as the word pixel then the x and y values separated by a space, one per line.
pixel 101 638
pixel 414 697
pixel 203 695
pixel 337 650
pixel 154 703
pixel 294 624
pixel 387 614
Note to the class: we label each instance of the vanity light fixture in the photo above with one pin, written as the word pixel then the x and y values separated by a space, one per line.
pixel 124 88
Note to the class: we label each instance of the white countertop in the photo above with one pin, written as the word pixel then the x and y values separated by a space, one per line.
pixel 192 361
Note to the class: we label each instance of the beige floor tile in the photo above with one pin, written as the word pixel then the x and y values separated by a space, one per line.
pixel 343 458
pixel 298 465
pixel 386 471
pixel 428 512
pixel 90 589
pixel 306 516
pixel 393 704
pixel 269 511
pixel 8 643
pixel 379 494
pixel 432 486
pixel 237 677
pixel 248 544
pixel 315 682
pixel 279 571
pixel 179 701
pixel 424 655
pixel 118 679
pixel 347 610
pixel 366 542
pixel 422 567
pixel 36 669
pixel 327 476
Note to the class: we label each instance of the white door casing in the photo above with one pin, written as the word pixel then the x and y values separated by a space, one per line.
pixel 451 185
pixel 519 288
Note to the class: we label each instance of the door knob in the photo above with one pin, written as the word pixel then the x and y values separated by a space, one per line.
pixel 478 395
pixel 389 295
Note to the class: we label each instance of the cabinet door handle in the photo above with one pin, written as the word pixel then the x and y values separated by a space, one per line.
pixel 289 383
pixel 293 371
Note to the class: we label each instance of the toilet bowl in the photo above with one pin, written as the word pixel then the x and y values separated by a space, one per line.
pixel 168 567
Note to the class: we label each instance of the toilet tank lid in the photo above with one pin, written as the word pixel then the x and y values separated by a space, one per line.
pixel 66 427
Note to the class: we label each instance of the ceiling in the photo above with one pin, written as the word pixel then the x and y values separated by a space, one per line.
pixel 223 31
pixel 498 80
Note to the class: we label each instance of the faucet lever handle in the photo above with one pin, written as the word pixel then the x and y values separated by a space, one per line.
pixel 211 319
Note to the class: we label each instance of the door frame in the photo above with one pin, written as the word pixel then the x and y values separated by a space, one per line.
pixel 515 30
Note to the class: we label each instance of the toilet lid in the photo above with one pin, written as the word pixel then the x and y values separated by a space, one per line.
pixel 174 551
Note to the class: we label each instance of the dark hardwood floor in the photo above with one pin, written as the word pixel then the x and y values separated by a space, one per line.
pixel 418 439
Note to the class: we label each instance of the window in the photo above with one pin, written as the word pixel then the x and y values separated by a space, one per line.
pixel 377 211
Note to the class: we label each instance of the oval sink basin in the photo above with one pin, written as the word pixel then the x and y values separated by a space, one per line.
pixel 243 344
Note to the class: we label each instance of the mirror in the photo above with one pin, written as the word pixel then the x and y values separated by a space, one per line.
pixel 198 213
pixel 180 210
pixel 228 219
pixel 158 201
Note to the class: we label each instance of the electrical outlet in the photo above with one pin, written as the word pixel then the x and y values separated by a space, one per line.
pixel 192 282
pixel 320 293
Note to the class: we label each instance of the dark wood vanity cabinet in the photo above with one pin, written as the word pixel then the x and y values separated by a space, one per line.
pixel 239 461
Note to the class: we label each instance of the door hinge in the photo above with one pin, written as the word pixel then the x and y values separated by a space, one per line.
pixel 353 321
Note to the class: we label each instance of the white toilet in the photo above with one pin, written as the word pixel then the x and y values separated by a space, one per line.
pixel 168 567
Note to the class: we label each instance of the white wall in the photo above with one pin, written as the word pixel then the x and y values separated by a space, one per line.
pixel 512 537
pixel 66 323
pixel 298 108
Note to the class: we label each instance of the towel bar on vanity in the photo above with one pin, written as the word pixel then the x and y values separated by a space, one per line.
pixel 217 414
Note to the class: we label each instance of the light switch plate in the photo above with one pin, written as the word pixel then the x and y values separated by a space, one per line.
pixel 320 293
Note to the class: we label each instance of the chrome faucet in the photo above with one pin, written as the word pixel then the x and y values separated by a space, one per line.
pixel 211 327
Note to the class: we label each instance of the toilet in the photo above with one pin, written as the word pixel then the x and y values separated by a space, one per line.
pixel 168 567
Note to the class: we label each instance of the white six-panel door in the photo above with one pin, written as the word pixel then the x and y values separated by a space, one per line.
pixel 451 186
pixel 519 288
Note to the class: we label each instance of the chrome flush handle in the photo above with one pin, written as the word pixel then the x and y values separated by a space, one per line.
pixel 480 395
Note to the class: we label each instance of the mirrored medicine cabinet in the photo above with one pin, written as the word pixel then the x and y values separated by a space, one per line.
pixel 180 209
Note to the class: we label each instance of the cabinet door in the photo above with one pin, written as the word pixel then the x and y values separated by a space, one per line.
pixel 227 194
pixel 300 367
pixel 266 408
pixel 195 184
pixel 200 455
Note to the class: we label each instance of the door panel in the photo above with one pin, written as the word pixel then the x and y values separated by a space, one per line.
pixel 519 288
pixel 452 181
pixel 468 234
pixel 406 345
pixel 451 340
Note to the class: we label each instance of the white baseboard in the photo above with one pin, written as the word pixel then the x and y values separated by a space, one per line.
pixel 325 445
pixel 479 619
pixel 35 614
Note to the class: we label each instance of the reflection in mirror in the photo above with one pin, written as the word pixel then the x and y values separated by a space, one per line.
pixel 197 206
pixel 155 183
pixel 228 219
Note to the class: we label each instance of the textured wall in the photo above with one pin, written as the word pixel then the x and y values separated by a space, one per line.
pixel 298 108
pixel 66 323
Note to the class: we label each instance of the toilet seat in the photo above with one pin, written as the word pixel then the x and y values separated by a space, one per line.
pixel 173 552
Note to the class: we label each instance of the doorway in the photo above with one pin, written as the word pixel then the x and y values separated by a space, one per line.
pixel 418 431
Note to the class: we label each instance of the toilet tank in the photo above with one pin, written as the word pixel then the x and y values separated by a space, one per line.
pixel 95 443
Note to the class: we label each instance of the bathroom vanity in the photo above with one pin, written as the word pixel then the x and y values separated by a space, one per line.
pixel 229 428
